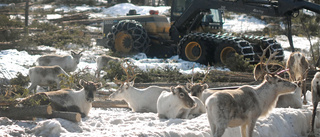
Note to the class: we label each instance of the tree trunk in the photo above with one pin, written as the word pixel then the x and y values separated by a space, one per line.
pixel 71 116
pixel 25 112
pixel 109 104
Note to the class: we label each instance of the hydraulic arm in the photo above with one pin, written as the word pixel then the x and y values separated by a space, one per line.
pixel 279 8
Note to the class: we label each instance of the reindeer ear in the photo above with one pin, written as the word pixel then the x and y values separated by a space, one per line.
pixel 73 53
pixel 172 89
pixel 188 86
pixel 205 86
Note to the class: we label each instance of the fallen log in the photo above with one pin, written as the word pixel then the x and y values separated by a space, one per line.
pixel 71 116
pixel 110 104
pixel 8 103
pixel 20 113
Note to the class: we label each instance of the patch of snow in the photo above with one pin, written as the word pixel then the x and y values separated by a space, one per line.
pixel 123 9
pixel 242 23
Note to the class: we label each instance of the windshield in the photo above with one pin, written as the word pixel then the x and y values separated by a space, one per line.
pixel 212 17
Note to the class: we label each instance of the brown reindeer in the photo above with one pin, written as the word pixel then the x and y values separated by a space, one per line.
pixel 243 106
pixel 260 69
pixel 298 67
pixel 284 101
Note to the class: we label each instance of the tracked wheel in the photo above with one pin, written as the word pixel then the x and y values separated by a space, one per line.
pixel 259 42
pixel 226 52
pixel 128 36
pixel 194 48
pixel 228 46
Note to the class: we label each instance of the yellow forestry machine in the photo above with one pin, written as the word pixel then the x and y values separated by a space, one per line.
pixel 193 30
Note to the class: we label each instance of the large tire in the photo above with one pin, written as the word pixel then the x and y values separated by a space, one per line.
pixel 193 47
pixel 229 46
pixel 128 36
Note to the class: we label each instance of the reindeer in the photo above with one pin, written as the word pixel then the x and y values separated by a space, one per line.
pixel 67 99
pixel 139 100
pixel 175 104
pixel 196 89
pixel 103 62
pixel 243 106
pixel 45 76
pixel 67 62
pixel 284 101
pixel 298 67
pixel 315 89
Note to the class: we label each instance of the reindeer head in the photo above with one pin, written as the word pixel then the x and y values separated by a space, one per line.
pixel 124 85
pixel 183 95
pixel 281 85
pixel 90 89
pixel 196 89
pixel 76 56
pixel 261 69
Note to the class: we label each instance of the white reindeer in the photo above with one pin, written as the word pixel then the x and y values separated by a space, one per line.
pixel 103 62
pixel 315 89
pixel 198 109
pixel 67 99
pixel 243 106
pixel 290 100
pixel 68 63
pixel 175 104
pixel 139 100
pixel 298 67
pixel 45 76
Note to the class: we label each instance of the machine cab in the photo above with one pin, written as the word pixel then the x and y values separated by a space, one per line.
pixel 212 20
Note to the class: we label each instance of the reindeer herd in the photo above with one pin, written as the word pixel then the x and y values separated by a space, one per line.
pixel 225 108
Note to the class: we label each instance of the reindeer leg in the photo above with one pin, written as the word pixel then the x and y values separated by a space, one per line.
pixel 315 105
pixel 32 88
pixel 243 130
pixel 220 130
pixel 97 74
pixel 251 127
pixel 304 91
pixel 211 120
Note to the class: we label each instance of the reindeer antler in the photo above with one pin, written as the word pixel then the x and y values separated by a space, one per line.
pixel 270 58
pixel 264 51
pixel 205 76
pixel 129 77
pixel 117 81
pixel 191 81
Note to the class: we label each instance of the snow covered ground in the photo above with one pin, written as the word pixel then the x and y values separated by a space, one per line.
pixel 122 122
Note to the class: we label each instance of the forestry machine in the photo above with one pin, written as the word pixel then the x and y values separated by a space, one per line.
pixel 193 30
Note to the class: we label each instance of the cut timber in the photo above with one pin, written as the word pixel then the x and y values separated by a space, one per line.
pixel 25 112
pixel 8 103
pixel 71 116
pixel 109 104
